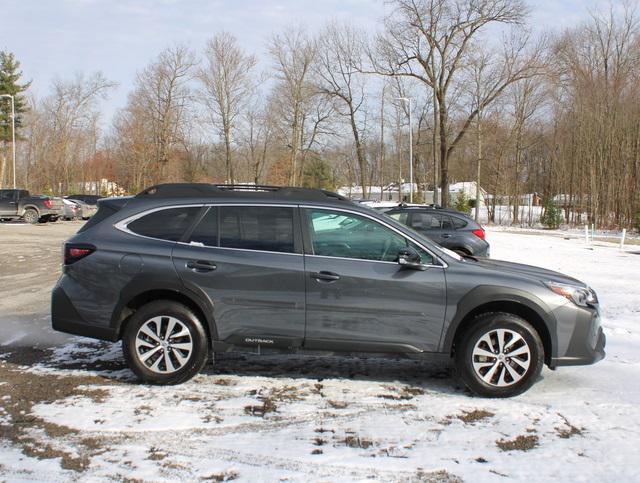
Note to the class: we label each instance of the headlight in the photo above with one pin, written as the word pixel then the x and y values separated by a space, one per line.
pixel 582 296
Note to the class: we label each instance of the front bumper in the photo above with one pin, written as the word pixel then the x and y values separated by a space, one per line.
pixel 587 341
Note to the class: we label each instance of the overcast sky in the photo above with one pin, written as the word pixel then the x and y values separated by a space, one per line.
pixel 57 38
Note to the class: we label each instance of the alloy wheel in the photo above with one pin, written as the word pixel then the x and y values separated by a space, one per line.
pixel 164 344
pixel 501 357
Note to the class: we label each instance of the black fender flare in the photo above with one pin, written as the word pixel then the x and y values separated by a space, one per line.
pixel 464 247
pixel 33 207
pixel 486 295
pixel 141 284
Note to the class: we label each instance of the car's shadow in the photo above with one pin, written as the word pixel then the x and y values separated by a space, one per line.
pixel 104 360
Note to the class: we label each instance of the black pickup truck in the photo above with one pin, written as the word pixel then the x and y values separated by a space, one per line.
pixel 19 204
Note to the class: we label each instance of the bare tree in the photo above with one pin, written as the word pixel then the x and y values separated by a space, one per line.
pixel 227 84
pixel 293 54
pixel 64 130
pixel 257 137
pixel 162 96
pixel 339 51
pixel 430 40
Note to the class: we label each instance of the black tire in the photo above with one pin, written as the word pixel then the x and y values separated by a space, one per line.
pixel 31 216
pixel 488 325
pixel 165 309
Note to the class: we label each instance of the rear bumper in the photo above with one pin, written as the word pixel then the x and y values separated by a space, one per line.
pixel 65 318
pixel 50 212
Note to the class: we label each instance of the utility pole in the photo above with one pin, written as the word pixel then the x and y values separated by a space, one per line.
pixel 13 133
pixel 381 174
pixel 408 100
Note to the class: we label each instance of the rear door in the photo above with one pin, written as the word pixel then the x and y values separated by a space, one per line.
pixel 437 226
pixel 248 260
pixel 358 297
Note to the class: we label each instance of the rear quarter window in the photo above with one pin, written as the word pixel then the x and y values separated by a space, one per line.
pixel 166 224
pixel 458 222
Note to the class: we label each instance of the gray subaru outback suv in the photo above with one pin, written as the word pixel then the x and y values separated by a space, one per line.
pixel 182 270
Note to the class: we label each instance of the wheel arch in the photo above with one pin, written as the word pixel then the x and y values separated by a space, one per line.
pixel 510 301
pixel 30 207
pixel 134 299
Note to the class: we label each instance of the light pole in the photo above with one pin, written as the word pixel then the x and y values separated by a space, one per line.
pixel 13 134
pixel 408 100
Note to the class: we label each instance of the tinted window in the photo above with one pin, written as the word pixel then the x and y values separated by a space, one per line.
pixel 425 256
pixel 400 216
pixel 257 228
pixel 458 222
pixel 340 234
pixel 6 195
pixel 425 221
pixel 445 221
pixel 207 230
pixel 167 224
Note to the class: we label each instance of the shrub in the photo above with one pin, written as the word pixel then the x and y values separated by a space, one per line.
pixel 551 217
pixel 637 220
pixel 462 202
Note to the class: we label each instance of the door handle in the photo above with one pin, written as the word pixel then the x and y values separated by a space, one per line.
pixel 325 276
pixel 201 266
pixel 446 235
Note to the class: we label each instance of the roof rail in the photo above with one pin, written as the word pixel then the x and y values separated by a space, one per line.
pixel 204 190
pixel 247 187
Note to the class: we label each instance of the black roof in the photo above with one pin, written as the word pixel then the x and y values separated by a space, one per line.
pixel 205 190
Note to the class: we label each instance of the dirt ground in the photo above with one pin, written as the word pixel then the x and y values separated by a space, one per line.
pixel 30 260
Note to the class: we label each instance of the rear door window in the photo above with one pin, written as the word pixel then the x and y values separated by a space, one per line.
pixel 265 228
pixel 425 221
pixel 166 224
pixel 206 233
pixel 400 216
pixel 445 222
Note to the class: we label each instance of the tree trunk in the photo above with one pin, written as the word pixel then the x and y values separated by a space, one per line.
pixel 444 168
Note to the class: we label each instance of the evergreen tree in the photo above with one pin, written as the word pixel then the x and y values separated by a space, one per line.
pixel 462 202
pixel 317 174
pixel 552 217
pixel 10 75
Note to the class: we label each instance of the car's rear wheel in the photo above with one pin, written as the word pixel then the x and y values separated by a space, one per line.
pixel 30 216
pixel 164 342
pixel 500 355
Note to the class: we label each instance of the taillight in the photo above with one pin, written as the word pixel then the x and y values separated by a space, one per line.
pixel 73 253
pixel 479 232
pixel 47 203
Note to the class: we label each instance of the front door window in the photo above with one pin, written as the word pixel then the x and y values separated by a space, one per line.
pixel 346 235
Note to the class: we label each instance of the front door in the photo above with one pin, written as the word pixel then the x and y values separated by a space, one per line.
pixel 358 296
pixel 248 260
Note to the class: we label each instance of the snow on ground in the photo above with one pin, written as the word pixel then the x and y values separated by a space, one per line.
pixel 265 418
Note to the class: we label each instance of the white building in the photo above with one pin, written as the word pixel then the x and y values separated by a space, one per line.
pixel 394 192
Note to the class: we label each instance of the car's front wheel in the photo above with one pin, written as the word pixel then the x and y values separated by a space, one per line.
pixel 164 342
pixel 500 355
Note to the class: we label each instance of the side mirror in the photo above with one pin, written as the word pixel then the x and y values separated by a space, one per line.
pixel 408 257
